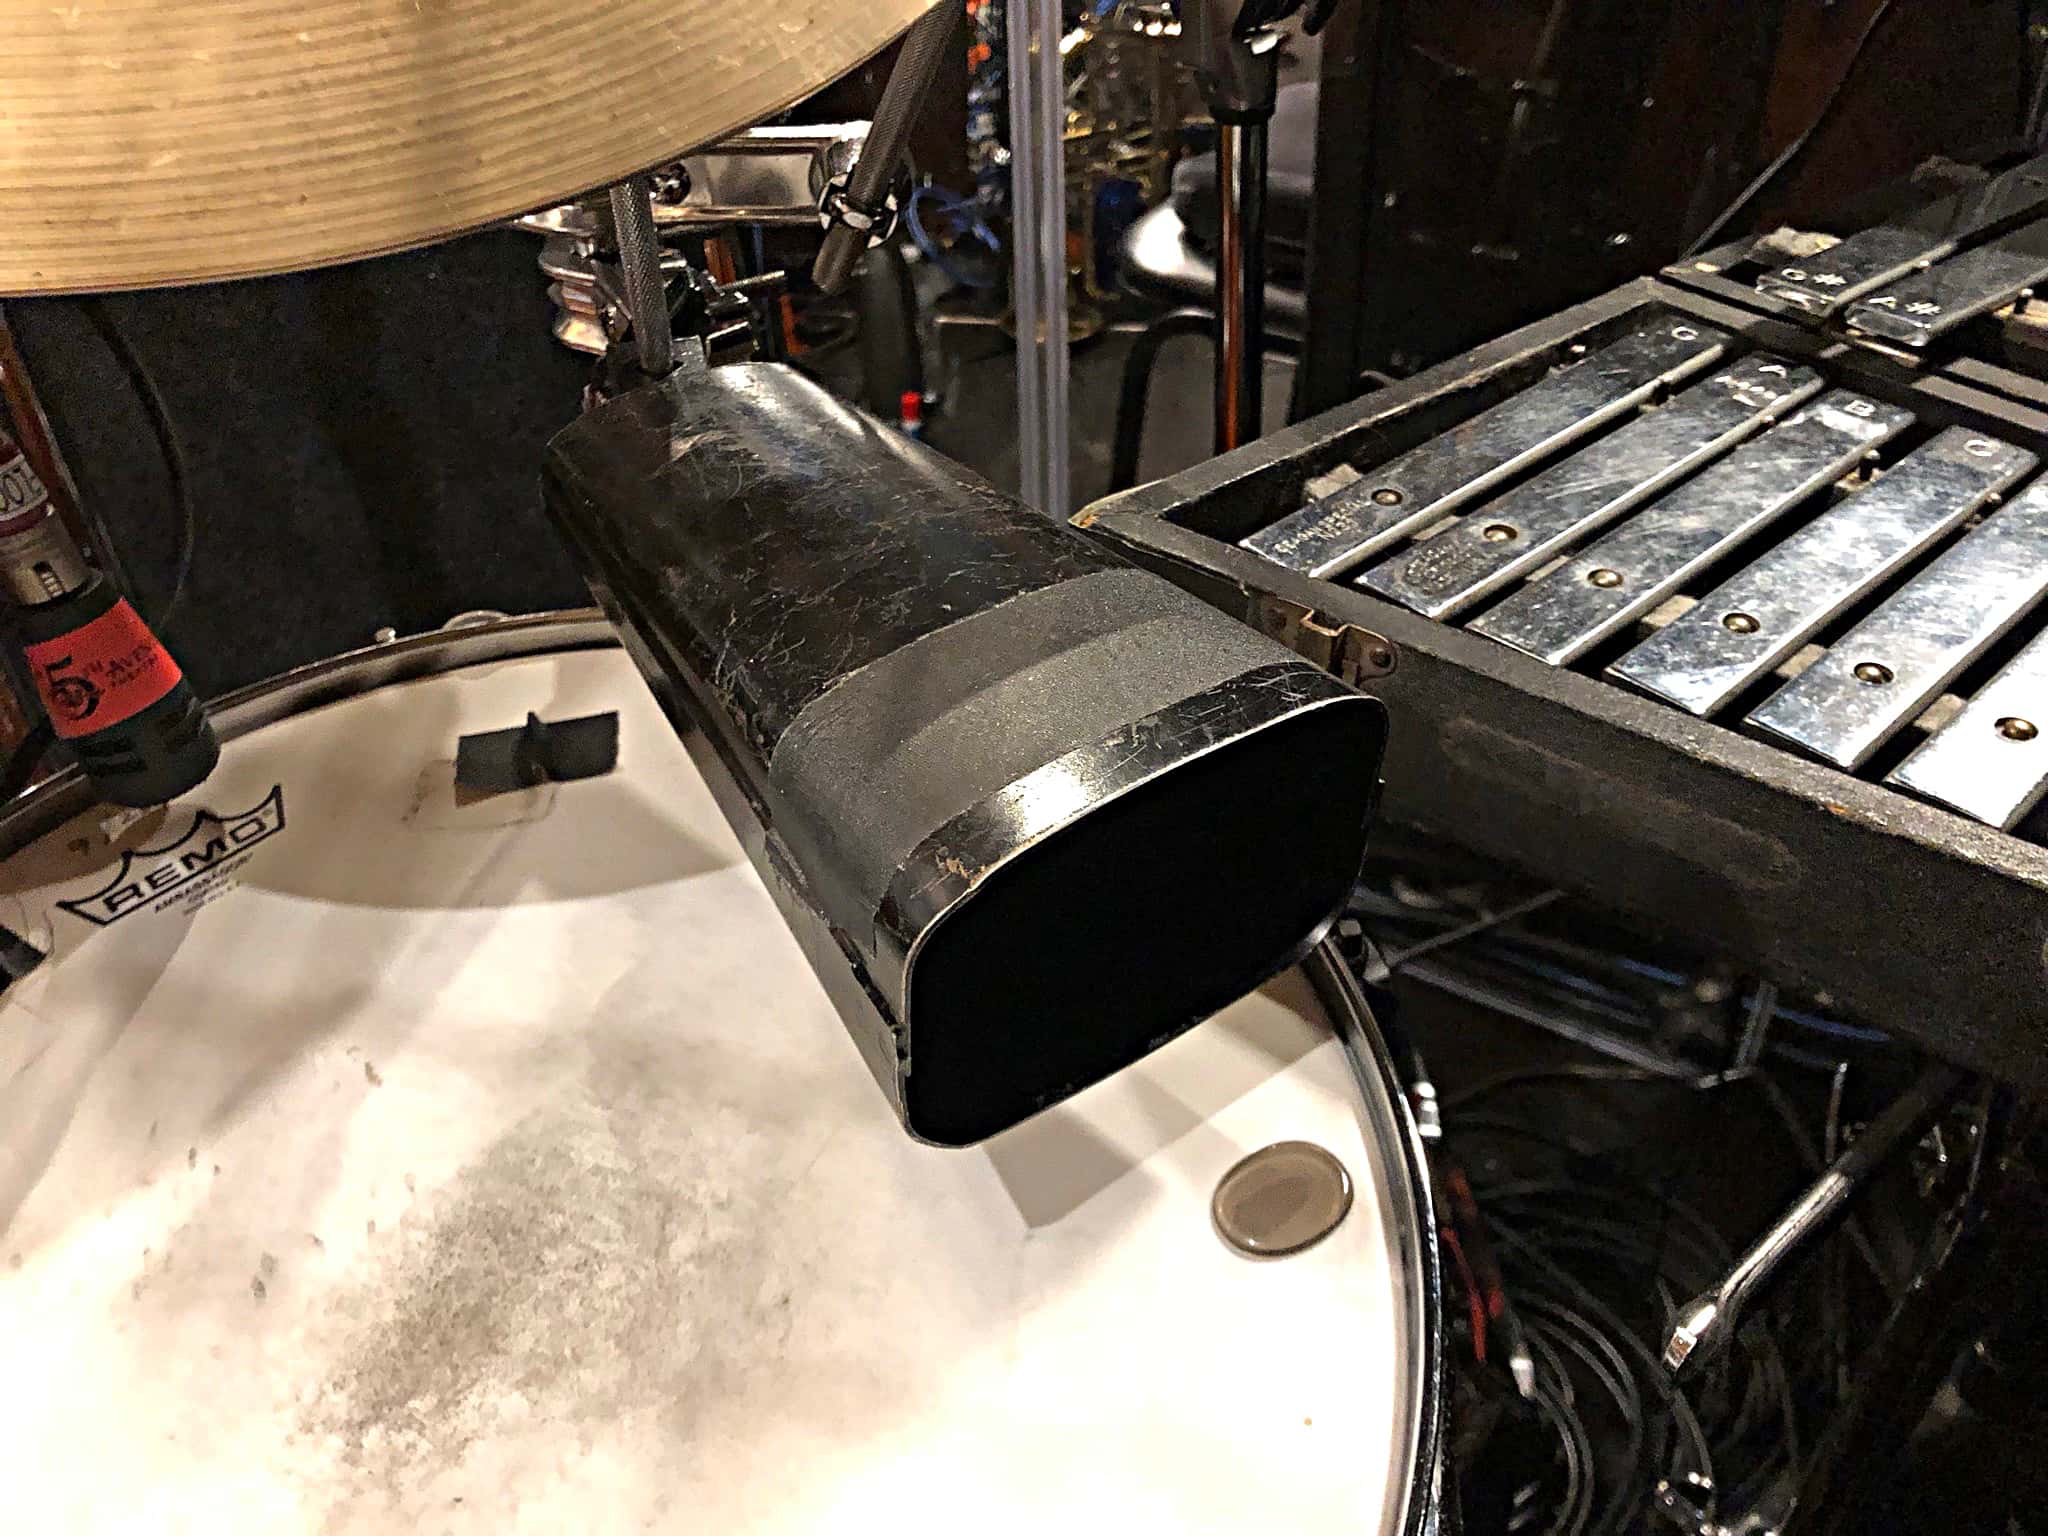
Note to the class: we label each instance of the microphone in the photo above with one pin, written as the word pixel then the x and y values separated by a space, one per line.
pixel 113 694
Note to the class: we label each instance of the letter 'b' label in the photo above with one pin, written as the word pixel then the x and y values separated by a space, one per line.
pixel 101 673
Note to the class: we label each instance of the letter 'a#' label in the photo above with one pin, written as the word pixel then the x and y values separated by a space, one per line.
pixel 101 673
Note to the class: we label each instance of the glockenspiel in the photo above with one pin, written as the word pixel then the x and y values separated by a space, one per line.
pixel 1699 610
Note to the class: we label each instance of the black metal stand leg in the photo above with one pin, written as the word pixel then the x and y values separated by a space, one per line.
pixel 1137 388
pixel 1851 1473
pixel 1240 281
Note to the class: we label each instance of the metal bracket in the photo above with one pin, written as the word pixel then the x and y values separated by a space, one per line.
pixel 1353 653
pixel 836 207
pixel 1688 1504
pixel 761 176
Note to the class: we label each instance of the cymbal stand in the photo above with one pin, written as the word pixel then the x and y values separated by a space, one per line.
pixel 1240 82
pixel 860 208
pixel 645 285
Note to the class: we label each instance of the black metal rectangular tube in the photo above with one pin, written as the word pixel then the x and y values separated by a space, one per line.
pixel 969 750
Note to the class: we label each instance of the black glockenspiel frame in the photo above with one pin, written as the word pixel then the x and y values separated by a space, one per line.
pixel 1971 360
pixel 1912 918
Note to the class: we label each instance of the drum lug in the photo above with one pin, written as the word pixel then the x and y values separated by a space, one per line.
pixel 1355 654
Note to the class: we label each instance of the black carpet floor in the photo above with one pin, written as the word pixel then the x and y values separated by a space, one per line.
pixel 364 446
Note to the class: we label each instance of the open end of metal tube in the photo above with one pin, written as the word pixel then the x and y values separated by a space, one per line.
pixel 1119 931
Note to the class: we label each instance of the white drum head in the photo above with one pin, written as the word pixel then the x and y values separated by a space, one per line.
pixel 396 1165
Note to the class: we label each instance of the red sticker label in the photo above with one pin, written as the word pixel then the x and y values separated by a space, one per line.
pixel 102 672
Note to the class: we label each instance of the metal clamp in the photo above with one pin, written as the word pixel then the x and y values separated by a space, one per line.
pixel 866 197
pixel 1689 1505
pixel 835 207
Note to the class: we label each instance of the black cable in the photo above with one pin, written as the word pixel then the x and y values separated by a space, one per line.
pixel 1560 1315
pixel 1654 1372
pixel 1596 1072
pixel 1798 146
pixel 1738 1413
pixel 1710 1254
pixel 1834 1274
pixel 1563 1217
pixel 30 751
pixel 1560 1328
pixel 1607 1244
pixel 1586 1154
pixel 2034 125
pixel 169 447
pixel 1556 1406
pixel 1741 1412
pixel 1578 1457
pixel 1579 1221
pixel 1681 1414
pixel 1788 1411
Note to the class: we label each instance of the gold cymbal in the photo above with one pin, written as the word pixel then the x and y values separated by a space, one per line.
pixel 145 142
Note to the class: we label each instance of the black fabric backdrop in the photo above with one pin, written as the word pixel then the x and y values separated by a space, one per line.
pixel 364 446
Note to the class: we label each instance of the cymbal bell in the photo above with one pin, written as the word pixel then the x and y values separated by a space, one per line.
pixel 147 142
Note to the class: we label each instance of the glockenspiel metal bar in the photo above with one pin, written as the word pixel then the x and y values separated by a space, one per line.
pixel 1885 671
pixel 1820 285
pixel 1410 492
pixel 1505 539
pixel 1633 569
pixel 1925 306
pixel 1750 623
pixel 1991 761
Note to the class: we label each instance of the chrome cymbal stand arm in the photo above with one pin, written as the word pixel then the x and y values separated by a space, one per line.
pixel 640 263
pixel 860 209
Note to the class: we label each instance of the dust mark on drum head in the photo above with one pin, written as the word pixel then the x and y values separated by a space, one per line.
pixel 569 1277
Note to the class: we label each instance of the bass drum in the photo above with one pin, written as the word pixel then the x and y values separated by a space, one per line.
pixel 378 1159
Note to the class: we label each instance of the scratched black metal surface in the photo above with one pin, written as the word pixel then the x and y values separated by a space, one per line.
pixel 897 666
pixel 727 498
